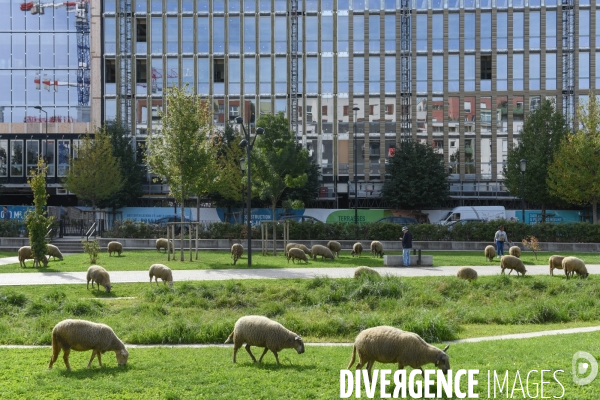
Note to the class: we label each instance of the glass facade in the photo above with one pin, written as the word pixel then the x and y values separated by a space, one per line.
pixel 477 68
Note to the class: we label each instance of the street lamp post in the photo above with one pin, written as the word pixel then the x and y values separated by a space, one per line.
pixel 246 143
pixel 355 109
pixel 46 158
pixel 523 167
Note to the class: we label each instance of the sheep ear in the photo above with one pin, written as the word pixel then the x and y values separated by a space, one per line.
pixel 446 348
pixel 298 338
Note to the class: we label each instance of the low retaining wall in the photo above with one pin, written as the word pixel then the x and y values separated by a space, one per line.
pixel 13 244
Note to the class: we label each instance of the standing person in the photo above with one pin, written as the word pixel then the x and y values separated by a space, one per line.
pixel 6 215
pixel 500 238
pixel 406 246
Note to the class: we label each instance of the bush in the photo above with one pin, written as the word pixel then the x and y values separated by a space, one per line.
pixel 92 248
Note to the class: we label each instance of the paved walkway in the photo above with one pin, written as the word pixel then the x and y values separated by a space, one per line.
pixel 54 278
pixel 345 344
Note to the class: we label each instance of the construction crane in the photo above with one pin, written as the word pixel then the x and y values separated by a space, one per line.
pixel 82 26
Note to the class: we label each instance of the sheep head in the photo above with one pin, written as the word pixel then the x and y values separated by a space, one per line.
pixel 122 356
pixel 442 361
pixel 299 344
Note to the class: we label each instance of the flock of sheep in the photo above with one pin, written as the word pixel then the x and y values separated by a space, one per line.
pixel 384 344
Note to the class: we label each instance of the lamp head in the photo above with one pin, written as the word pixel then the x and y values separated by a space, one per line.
pixel 239 120
pixel 260 131
pixel 355 109
pixel 523 165
pixel 37 107
pixel 243 143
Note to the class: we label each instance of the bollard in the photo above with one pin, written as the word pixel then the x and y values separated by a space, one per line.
pixel 419 258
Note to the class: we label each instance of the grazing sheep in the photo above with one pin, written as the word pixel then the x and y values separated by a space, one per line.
pixel 364 271
pixel 260 331
pixel 25 253
pixel 54 252
pixel 386 344
pixel 324 252
pixel 490 253
pixel 302 247
pixel 97 274
pixel 466 273
pixel 296 254
pixel 574 264
pixel 162 243
pixel 236 252
pixel 81 335
pixel 512 262
pixel 335 247
pixel 555 262
pixel 377 249
pixel 115 247
pixel 160 271
pixel 356 249
pixel 515 251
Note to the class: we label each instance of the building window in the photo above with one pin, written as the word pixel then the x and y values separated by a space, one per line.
pixel 345 113
pixel 323 110
pixel 219 70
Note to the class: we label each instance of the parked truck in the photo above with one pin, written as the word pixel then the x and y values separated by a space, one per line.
pixel 482 213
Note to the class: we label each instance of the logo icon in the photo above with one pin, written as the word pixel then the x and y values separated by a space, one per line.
pixel 584 372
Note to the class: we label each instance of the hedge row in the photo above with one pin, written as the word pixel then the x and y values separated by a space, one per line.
pixel 579 232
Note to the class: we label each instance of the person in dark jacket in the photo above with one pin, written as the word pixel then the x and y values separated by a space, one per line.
pixel 406 245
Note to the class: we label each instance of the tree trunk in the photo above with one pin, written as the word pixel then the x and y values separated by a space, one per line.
pixel 273 207
pixel 182 227
pixel 543 213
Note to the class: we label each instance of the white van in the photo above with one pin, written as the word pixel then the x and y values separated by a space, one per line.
pixel 484 213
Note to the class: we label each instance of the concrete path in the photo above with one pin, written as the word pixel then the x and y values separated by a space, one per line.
pixel 342 344
pixel 53 278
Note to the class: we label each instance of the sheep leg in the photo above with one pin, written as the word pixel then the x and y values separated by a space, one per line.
pixel 249 352
pixel 66 353
pixel 92 358
pixel 265 352
pixel 369 368
pixel 54 357
pixel 235 349
pixel 512 271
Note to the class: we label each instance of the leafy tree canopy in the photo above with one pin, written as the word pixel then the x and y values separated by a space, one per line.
pixel 417 177
pixel 538 143
pixel 574 173
pixel 95 174
pixel 227 188
pixel 131 170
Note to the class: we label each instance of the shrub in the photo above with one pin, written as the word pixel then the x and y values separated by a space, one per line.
pixel 92 248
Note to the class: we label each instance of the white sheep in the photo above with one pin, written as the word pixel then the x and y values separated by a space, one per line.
pixel 260 331
pixel 335 247
pixel 54 252
pixel 515 251
pixel 160 271
pixel 386 344
pixel 319 250
pixel 357 249
pixel 302 247
pixel 236 252
pixel 81 335
pixel 25 253
pixel 574 264
pixel 490 253
pixel 555 262
pixel 97 274
pixel 163 243
pixel 364 271
pixel 377 248
pixel 512 262
pixel 114 247
pixel 296 254
pixel 466 273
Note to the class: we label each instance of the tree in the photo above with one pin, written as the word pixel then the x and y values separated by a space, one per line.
pixel 417 177
pixel 574 174
pixel 227 188
pixel 538 143
pixel 310 190
pixel 180 151
pixel 37 220
pixel 95 174
pixel 278 162
pixel 131 170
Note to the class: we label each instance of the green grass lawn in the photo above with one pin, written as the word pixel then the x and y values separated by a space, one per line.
pixel 319 309
pixel 183 373
pixel 139 260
